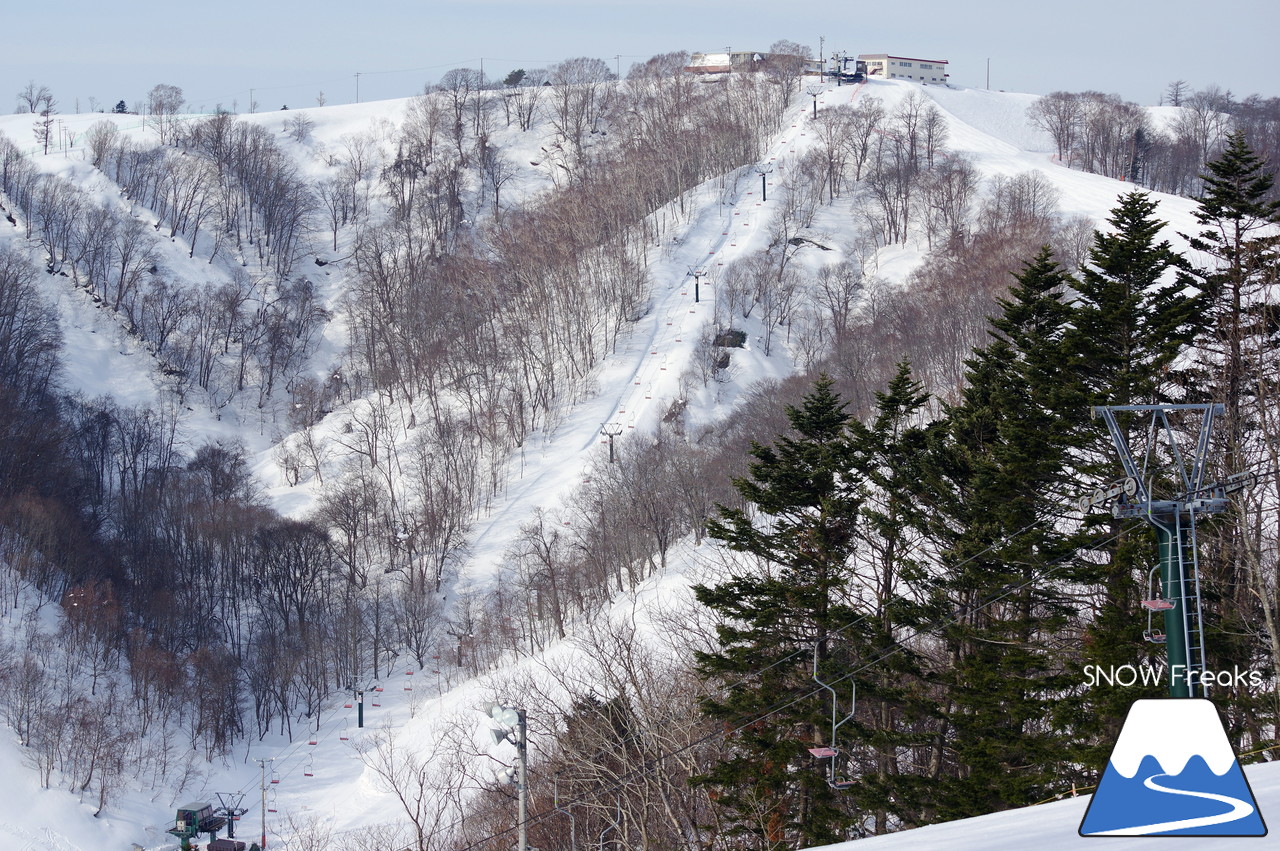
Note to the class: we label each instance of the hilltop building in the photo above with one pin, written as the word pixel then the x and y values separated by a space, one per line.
pixel 721 63
pixel 744 60
pixel 888 67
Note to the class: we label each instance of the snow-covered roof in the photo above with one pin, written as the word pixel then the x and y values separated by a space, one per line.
pixel 902 58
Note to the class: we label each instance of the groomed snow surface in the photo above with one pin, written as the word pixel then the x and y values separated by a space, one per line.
pixel 1050 827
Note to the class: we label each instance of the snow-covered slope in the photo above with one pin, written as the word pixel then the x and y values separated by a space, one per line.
pixel 634 387
pixel 1052 827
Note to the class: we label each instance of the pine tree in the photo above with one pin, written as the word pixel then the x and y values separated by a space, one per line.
pixel 897 705
pixel 1238 233
pixel 1130 320
pixel 997 473
pixel 1131 316
pixel 798 532
pixel 1237 350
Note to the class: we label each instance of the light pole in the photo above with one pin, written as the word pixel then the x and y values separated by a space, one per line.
pixel 764 171
pixel 814 91
pixel 512 720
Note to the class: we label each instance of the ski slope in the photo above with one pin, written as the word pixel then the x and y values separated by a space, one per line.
pixel 1051 827
pixel 634 388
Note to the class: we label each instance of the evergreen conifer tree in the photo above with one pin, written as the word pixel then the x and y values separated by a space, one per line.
pixel 1130 320
pixel 1237 350
pixel 787 598
pixel 998 482
pixel 1238 233
pixel 897 704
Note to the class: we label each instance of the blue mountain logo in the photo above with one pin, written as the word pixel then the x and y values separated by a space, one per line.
pixel 1173 773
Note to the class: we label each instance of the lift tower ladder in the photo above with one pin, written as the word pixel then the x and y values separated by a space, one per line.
pixel 1174 521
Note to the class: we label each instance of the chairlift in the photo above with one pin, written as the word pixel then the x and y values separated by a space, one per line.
pixel 839 783
pixel 275 777
pixel 1156 603
pixel 309 770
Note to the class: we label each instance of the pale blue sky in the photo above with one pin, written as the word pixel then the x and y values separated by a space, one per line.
pixel 288 52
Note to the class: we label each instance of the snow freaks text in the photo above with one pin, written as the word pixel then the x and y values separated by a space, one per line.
pixel 1154 675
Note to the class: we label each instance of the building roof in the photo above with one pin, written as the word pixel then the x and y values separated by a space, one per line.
pixel 907 58
pixel 713 63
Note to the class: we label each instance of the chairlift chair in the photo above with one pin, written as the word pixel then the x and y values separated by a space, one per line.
pixel 832 752
pixel 1156 603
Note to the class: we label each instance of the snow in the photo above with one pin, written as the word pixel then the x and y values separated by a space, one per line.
pixel 634 388
pixel 1051 827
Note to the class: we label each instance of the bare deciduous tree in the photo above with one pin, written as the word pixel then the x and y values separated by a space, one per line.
pixel 164 102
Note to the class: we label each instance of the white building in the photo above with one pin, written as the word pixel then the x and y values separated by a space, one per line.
pixel 722 63
pixel 888 67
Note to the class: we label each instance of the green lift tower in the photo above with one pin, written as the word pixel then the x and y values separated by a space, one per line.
pixel 1162 463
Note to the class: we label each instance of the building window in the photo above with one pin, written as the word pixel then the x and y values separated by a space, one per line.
pixel 906 64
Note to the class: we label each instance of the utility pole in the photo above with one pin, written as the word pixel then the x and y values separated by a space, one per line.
pixel 522 763
pixel 357 87
pixel 1174 521
pixel 359 707
pixel 512 720
pixel 262 764
pixel 988 73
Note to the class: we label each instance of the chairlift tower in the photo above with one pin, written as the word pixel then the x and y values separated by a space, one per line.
pixel 1174 520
